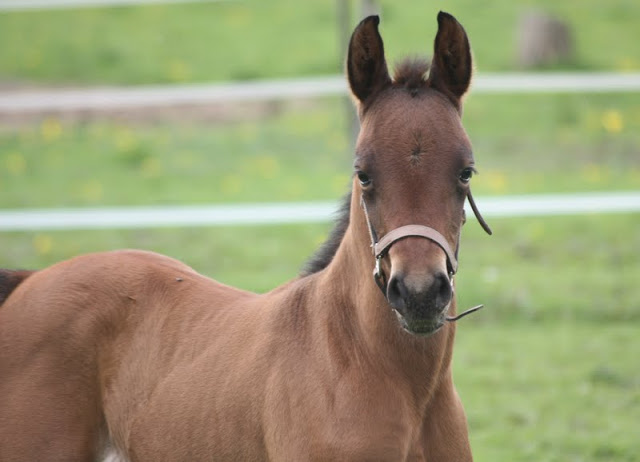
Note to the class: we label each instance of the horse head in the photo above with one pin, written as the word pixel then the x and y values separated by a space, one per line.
pixel 413 168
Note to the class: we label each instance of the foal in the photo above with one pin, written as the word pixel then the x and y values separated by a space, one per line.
pixel 135 356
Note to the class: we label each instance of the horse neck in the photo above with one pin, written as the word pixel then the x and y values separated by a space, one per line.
pixel 367 323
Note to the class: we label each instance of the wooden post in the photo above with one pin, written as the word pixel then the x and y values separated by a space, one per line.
pixel 369 7
pixel 344 34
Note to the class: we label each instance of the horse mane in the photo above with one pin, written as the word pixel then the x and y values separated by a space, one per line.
pixel 411 73
pixel 323 256
pixel 9 280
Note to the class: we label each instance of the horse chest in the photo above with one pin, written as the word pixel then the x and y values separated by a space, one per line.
pixel 342 421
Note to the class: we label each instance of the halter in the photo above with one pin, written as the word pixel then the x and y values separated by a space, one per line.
pixel 381 247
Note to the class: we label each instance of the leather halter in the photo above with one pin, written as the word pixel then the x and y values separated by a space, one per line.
pixel 381 246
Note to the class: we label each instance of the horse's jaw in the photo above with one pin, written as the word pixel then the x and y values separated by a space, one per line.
pixel 422 327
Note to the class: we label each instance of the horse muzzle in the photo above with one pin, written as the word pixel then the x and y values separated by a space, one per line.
pixel 421 306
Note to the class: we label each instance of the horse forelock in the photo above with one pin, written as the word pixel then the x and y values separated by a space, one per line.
pixel 411 73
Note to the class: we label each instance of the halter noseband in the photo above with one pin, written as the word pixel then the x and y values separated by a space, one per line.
pixel 381 247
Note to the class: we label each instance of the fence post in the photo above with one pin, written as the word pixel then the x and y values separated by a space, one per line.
pixel 367 8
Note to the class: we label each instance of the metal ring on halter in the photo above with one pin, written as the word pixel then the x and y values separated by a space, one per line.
pixel 379 278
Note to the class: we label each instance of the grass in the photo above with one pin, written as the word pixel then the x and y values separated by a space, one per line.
pixel 236 40
pixel 551 269
pixel 557 392
pixel 523 144
pixel 107 163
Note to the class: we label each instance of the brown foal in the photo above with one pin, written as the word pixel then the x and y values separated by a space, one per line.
pixel 133 356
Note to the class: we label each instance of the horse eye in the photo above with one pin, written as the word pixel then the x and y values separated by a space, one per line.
pixel 466 174
pixel 364 179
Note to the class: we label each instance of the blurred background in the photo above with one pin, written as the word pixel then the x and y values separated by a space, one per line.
pixel 549 370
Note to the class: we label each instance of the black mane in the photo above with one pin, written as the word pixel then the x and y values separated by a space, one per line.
pixel 323 256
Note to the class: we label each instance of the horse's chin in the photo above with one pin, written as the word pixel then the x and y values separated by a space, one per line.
pixel 421 327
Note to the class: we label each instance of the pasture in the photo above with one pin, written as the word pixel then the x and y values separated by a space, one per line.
pixel 548 371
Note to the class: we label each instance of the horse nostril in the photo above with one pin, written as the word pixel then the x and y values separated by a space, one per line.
pixel 397 292
pixel 442 289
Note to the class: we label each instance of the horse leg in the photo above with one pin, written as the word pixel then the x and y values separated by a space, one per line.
pixel 49 395
pixel 47 416
pixel 444 433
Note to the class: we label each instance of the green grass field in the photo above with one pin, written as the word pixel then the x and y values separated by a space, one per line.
pixel 522 144
pixel 253 39
pixel 550 392
pixel 548 371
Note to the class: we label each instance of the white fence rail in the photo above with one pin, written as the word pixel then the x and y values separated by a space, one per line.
pixel 97 99
pixel 303 212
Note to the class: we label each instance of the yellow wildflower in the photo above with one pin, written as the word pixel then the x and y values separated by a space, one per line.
pixel 495 180
pixel 92 190
pixel 627 64
pixel 238 16
pixel 178 71
pixel 125 140
pixel 612 121
pixel 231 184
pixel 42 243
pixel 33 59
pixel 151 167
pixel 267 166
pixel 51 129
pixel 595 173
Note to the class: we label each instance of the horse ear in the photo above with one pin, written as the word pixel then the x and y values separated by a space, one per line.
pixel 451 65
pixel 366 66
